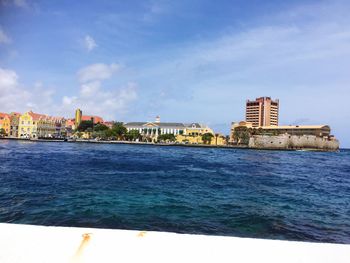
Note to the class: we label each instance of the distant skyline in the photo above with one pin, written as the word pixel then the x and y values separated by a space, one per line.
pixel 182 60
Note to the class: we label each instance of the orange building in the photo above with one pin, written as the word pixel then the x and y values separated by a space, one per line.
pixel 5 122
pixel 262 111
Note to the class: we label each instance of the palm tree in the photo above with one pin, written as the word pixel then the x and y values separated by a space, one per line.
pixel 216 138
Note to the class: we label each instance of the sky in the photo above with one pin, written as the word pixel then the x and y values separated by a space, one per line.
pixel 185 60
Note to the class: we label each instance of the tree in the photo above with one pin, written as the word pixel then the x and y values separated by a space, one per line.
pixel 100 127
pixel 84 125
pixel 107 134
pixel 132 135
pixel 2 132
pixel 119 130
pixel 166 137
pixel 207 137
pixel 241 135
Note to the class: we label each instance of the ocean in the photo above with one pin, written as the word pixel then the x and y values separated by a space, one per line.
pixel 287 195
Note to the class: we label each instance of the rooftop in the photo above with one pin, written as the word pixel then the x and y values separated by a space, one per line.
pixel 296 127
pixel 164 124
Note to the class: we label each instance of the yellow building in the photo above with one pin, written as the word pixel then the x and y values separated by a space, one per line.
pixel 33 125
pixel 217 139
pixel 234 125
pixel 190 133
pixel 193 135
pixel 78 117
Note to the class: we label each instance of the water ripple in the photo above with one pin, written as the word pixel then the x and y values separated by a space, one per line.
pixel 266 194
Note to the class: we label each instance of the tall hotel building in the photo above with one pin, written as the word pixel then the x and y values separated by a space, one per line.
pixel 262 112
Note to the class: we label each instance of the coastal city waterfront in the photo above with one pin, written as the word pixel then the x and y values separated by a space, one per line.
pixel 175 131
pixel 288 195
pixel 259 130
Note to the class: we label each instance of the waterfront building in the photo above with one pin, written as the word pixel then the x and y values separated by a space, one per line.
pixel 95 119
pixel 70 124
pixel 196 138
pixel 5 123
pixel 14 123
pixel 321 131
pixel 46 127
pixel 262 111
pixel 34 125
pixel 152 130
pixel 299 130
pixel 60 127
pixel 194 132
pixel 234 125
pixel 78 117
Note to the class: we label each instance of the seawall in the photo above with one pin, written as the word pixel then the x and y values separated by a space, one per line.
pixel 293 142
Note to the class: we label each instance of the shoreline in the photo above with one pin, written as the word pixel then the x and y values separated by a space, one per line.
pixel 32 243
pixel 169 144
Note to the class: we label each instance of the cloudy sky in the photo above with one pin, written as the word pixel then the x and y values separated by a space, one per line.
pixel 195 60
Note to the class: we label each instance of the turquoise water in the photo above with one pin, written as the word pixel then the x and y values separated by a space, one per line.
pixel 263 194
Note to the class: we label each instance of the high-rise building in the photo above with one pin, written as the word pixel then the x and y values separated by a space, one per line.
pixel 78 117
pixel 262 111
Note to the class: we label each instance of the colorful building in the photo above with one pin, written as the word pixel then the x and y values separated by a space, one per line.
pixel 60 127
pixel 14 122
pixel 78 117
pixel 184 132
pixel 33 125
pixel 5 123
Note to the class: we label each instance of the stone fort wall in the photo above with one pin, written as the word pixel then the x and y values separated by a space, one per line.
pixel 286 141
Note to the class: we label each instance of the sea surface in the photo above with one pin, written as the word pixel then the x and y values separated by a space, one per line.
pixel 234 192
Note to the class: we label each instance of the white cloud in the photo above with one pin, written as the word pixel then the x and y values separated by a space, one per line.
pixel 90 89
pixel 98 71
pixel 8 79
pixel 97 101
pixel 92 98
pixel 68 101
pixel 14 97
pixel 89 43
pixel 4 39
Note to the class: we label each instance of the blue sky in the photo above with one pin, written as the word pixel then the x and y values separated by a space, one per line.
pixel 183 60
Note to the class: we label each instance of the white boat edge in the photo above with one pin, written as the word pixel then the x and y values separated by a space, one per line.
pixel 29 243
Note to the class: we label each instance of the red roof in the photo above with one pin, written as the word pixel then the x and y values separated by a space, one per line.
pixel 37 116
pixel 70 122
pixel 4 115
pixel 97 119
